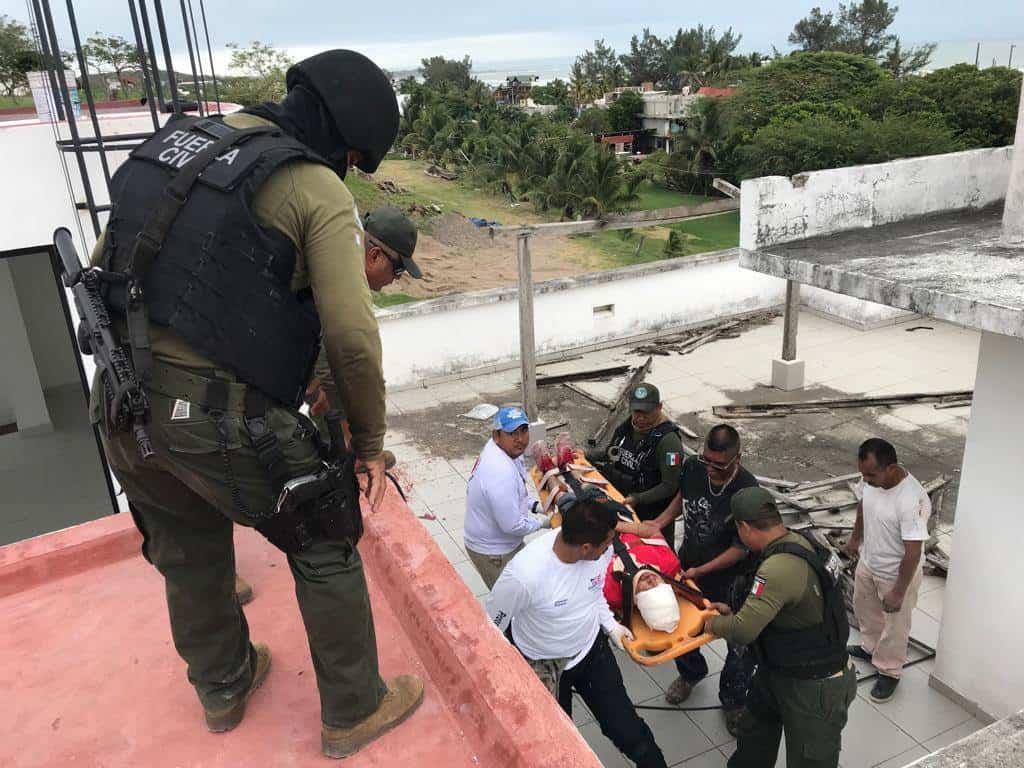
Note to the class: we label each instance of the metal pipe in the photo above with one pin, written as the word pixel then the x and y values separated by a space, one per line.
pixel 120 137
pixel 106 148
pixel 192 59
pixel 52 59
pixel 65 94
pixel 209 52
pixel 141 50
pixel 144 14
pixel 172 79
pixel 199 57
pixel 97 131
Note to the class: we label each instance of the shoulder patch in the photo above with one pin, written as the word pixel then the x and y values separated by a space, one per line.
pixel 757 588
pixel 672 459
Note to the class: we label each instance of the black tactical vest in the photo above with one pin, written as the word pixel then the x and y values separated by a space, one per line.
pixel 817 651
pixel 636 468
pixel 220 280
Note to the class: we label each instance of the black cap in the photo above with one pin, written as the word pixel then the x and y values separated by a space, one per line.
pixel 644 397
pixel 396 234
pixel 358 96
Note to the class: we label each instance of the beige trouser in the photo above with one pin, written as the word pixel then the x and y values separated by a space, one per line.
pixel 490 566
pixel 883 635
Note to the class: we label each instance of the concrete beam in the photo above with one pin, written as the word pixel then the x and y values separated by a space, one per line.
pixel 1013 210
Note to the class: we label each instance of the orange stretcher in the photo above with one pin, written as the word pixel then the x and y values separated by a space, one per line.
pixel 650 647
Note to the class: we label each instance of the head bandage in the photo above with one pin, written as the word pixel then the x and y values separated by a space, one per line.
pixel 659 608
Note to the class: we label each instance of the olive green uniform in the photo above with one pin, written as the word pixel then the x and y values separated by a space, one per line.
pixel 206 475
pixel 812 712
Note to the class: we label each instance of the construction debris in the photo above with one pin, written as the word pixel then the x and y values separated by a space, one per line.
pixel 586 375
pixel 617 413
pixel 685 342
pixel 774 410
pixel 589 396
pixel 389 186
pixel 440 173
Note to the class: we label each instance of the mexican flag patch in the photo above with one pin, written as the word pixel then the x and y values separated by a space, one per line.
pixel 758 586
pixel 672 459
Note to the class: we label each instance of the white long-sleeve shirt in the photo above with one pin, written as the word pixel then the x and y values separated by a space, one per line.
pixel 498 507
pixel 555 608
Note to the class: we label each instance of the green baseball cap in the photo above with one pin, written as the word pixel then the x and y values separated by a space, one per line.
pixel 644 397
pixel 395 234
pixel 753 504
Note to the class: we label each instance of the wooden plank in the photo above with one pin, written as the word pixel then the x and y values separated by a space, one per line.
pixel 593 373
pixel 814 406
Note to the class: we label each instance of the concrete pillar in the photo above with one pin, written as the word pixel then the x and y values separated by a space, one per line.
pixel 983 613
pixel 527 344
pixel 21 397
pixel 1013 211
pixel 788 372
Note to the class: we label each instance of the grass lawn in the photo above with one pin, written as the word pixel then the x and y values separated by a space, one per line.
pixel 15 101
pixel 712 233
pixel 653 196
pixel 391 299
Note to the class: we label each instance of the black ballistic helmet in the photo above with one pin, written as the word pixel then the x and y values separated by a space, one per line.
pixel 359 98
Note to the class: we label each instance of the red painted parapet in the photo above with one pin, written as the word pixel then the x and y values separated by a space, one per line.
pixel 505 710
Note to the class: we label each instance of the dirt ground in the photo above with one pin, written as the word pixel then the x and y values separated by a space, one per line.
pixel 459 257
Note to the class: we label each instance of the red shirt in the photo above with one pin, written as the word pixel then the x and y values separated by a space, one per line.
pixel 659 556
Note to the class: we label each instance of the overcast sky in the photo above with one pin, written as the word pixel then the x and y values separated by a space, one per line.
pixel 399 33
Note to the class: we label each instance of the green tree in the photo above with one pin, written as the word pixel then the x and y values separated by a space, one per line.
pixel 602 188
pixel 698 57
pixel 593 121
pixel 598 71
pixel 700 144
pixel 262 69
pixel 902 63
pixel 815 32
pixel 113 51
pixel 645 61
pixel 555 92
pixel 864 27
pixel 17 55
pixel 675 245
pixel 622 114
pixel 437 70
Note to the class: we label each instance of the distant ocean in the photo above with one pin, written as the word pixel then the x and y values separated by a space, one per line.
pixel 947 54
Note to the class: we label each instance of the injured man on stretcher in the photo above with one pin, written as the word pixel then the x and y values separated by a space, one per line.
pixel 554 601
pixel 637 579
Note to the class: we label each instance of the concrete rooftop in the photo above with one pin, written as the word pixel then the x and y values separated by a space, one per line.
pixel 436 449
pixel 949 266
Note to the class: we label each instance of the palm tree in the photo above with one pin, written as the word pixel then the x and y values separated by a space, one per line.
pixel 604 188
pixel 701 140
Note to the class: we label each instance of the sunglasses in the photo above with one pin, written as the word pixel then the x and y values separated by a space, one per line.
pixel 714 465
pixel 397 266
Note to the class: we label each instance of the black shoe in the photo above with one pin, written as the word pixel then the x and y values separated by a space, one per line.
pixel 884 688
pixel 858 652
pixel 732 720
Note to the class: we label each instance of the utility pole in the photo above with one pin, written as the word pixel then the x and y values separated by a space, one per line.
pixel 977 55
pixel 1010 62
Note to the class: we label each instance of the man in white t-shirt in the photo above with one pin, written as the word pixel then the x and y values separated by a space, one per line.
pixel 891 528
pixel 551 598
pixel 499 511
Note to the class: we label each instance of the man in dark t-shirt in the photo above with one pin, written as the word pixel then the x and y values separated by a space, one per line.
pixel 714 557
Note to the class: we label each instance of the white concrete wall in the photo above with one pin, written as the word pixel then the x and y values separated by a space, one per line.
pixel 983 615
pixel 445 336
pixel 52 348
pixel 775 209
pixel 21 396
pixel 850 310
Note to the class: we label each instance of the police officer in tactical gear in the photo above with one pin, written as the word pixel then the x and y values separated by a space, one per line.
pixel 795 618
pixel 643 458
pixel 235 246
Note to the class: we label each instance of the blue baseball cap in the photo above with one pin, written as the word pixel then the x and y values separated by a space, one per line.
pixel 510 418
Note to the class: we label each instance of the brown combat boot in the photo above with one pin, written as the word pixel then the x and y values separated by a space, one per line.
pixel 405 693
pixel 243 590
pixel 221 720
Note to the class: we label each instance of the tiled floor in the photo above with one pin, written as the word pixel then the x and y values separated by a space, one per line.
pixel 919 719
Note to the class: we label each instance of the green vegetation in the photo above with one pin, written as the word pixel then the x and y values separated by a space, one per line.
pixel 15 101
pixel 653 196
pixel 392 299
pixel 17 56
pixel 626 247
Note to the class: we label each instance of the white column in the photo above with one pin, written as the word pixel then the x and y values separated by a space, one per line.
pixel 983 614
pixel 1013 211
pixel 21 397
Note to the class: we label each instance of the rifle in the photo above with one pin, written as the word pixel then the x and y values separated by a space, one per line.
pixel 126 404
